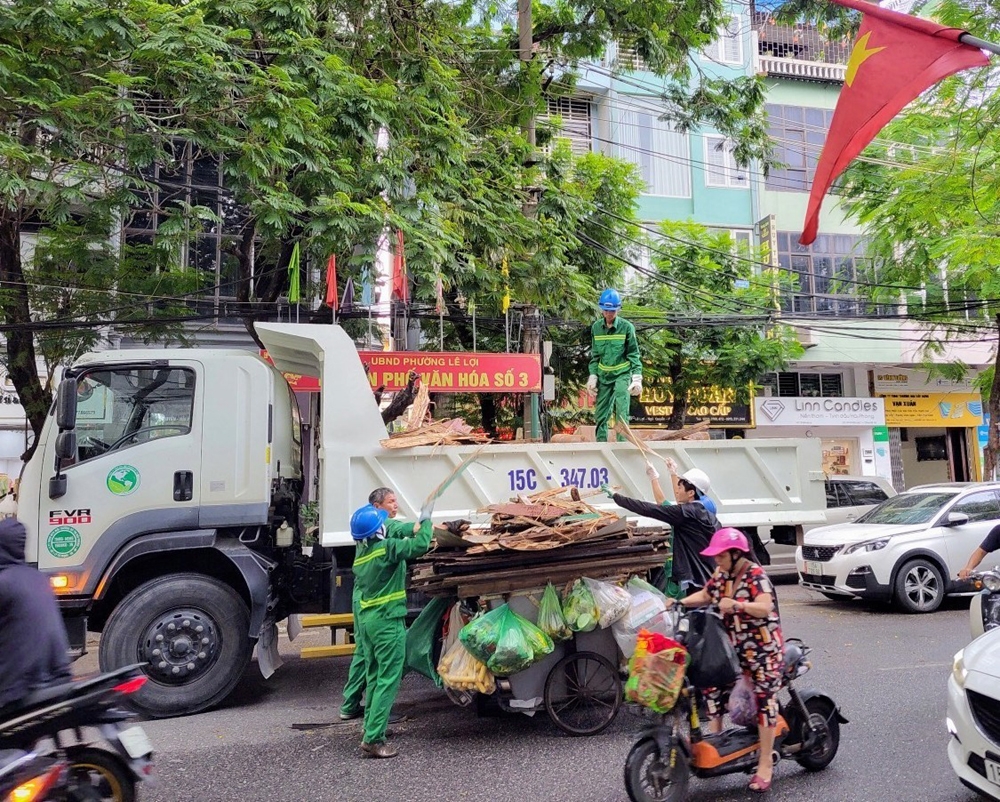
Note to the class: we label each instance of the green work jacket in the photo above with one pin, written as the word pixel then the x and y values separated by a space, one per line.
pixel 394 528
pixel 380 569
pixel 614 351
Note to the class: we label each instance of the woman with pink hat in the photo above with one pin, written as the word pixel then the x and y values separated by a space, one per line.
pixel 745 596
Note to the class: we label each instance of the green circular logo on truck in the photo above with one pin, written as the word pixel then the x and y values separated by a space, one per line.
pixel 123 480
pixel 63 542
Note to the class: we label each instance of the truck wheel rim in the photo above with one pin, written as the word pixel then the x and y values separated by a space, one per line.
pixel 179 646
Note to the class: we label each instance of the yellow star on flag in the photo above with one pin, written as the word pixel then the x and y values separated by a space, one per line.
pixel 859 55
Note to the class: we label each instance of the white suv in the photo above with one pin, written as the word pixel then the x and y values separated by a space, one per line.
pixel 908 549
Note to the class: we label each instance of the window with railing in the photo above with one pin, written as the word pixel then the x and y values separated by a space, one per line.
pixel 802 42
pixel 798 134
pixel 795 384
pixel 662 154
pixel 827 273
pixel 186 178
pixel 721 169
pixel 571 120
pixel 728 47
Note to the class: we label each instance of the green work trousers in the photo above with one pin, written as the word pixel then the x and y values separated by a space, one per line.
pixel 384 643
pixel 612 400
pixel 355 688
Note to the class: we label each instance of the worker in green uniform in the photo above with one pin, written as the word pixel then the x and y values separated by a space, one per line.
pixel 380 583
pixel 615 367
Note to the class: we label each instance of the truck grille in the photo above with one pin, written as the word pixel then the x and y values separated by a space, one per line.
pixel 986 712
pixel 819 553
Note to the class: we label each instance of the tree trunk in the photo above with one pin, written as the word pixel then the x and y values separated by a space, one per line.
pixel 22 365
pixel 993 407
pixel 679 406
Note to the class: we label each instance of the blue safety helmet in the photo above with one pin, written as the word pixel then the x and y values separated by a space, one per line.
pixel 367 521
pixel 610 301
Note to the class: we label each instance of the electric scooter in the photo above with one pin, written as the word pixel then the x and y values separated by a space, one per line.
pixel 675 748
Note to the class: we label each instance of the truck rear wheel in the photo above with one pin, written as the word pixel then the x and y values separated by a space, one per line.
pixel 191 630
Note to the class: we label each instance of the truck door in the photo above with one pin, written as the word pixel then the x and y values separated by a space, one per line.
pixel 136 470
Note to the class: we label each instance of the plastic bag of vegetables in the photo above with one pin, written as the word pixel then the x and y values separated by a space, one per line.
pixel 612 601
pixel 550 615
pixel 520 645
pixel 579 608
pixel 461 671
pixel 481 634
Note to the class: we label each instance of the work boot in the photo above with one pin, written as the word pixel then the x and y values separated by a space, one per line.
pixel 378 749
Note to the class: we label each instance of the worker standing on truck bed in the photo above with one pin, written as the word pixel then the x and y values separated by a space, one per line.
pixel 615 366
pixel 380 587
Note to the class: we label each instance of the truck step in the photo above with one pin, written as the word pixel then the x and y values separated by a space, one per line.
pixel 337 650
pixel 339 620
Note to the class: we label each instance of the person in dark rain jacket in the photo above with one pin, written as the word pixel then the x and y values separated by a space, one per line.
pixel 34 650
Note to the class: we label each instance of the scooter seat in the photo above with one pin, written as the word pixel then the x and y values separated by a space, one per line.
pixel 64 690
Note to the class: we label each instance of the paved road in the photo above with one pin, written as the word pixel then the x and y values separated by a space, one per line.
pixel 886 669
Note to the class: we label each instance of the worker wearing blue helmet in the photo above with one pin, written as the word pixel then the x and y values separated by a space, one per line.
pixel 615 366
pixel 380 596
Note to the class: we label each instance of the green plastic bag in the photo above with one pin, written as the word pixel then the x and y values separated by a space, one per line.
pixel 481 634
pixel 423 639
pixel 520 644
pixel 580 609
pixel 550 615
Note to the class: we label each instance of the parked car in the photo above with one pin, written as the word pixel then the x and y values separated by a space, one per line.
pixel 847 499
pixel 973 719
pixel 908 549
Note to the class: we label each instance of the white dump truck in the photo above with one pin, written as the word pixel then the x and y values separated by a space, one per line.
pixel 163 499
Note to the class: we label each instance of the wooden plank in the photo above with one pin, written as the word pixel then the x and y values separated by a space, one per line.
pixel 338 650
pixel 345 620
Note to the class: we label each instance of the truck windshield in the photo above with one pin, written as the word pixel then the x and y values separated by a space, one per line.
pixel 122 407
pixel 908 508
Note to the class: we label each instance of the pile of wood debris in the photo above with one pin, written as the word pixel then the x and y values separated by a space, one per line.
pixel 438 433
pixel 551 536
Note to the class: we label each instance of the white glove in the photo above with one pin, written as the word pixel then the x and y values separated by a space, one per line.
pixel 651 472
pixel 592 384
pixel 671 465
pixel 635 388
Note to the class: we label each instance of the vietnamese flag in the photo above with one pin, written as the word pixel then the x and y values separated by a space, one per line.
pixel 895 58
pixel 331 282
pixel 400 279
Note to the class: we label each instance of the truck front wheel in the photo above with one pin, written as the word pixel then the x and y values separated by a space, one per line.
pixel 191 631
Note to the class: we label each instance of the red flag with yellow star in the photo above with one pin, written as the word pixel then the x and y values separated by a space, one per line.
pixel 895 58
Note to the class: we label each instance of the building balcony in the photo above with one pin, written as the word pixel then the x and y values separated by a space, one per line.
pixel 821 71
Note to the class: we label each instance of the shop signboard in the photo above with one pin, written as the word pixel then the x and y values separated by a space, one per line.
pixel 716 405
pixel 901 380
pixel 456 371
pixel 934 409
pixel 799 411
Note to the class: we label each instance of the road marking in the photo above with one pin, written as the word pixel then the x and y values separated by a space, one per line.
pixel 920 665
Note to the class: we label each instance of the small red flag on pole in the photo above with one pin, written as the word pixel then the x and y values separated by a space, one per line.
pixel 895 58
pixel 400 279
pixel 331 282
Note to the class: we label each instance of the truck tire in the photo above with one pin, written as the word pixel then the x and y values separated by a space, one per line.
pixel 191 631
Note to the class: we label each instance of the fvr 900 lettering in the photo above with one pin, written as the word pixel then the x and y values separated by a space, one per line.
pixel 66 517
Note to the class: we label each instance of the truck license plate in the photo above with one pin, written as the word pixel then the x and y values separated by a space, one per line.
pixel 814 569
pixel 993 772
pixel 136 742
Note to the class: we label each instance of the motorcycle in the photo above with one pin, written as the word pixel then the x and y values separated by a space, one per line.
pixel 984 611
pixel 28 777
pixel 60 722
pixel 660 764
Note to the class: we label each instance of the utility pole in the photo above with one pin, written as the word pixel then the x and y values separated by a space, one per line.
pixel 531 342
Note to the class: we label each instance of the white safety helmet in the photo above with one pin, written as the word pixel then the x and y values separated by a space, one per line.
pixel 698 478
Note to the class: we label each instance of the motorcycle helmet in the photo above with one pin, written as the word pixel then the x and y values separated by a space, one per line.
pixel 610 300
pixel 367 521
pixel 726 539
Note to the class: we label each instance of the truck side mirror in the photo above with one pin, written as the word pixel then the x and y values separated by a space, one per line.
pixel 66 404
pixel 66 445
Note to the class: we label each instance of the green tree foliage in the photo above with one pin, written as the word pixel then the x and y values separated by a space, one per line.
pixel 718 330
pixel 333 121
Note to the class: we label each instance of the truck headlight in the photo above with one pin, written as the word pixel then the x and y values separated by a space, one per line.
pixel 867 545
pixel 958 670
